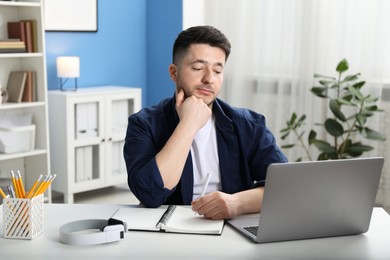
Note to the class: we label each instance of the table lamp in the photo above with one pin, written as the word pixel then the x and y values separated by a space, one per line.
pixel 68 67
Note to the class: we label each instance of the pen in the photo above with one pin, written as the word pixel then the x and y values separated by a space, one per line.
pixel 205 184
pixel 11 191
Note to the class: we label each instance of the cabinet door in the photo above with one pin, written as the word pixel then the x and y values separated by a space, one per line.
pixel 86 142
pixel 118 109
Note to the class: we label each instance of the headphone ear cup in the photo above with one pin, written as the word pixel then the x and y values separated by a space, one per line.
pixel 113 221
pixel 113 227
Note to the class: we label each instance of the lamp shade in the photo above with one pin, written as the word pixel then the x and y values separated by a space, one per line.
pixel 68 67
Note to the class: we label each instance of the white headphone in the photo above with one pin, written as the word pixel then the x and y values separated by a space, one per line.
pixel 92 232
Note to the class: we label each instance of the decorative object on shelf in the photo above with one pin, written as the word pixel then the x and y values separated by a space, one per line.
pixel 68 67
pixel 3 95
pixel 350 110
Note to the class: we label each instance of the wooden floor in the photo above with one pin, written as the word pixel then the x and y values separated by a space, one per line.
pixel 112 195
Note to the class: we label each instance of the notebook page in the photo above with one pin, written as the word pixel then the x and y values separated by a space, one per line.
pixel 140 218
pixel 184 220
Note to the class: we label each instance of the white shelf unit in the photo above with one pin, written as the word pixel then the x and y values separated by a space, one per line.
pixel 87 132
pixel 35 162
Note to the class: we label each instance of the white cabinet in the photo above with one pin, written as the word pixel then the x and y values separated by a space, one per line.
pixel 87 132
pixel 34 162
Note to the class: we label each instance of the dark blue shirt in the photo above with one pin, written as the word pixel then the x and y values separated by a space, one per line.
pixel 245 148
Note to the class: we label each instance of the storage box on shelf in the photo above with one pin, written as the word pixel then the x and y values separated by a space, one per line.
pixel 31 162
pixel 88 128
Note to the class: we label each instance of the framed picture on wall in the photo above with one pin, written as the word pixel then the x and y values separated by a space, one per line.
pixel 71 15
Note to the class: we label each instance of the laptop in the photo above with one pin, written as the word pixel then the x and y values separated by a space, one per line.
pixel 314 199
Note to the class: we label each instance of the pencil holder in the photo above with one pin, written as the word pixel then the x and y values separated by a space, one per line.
pixel 23 218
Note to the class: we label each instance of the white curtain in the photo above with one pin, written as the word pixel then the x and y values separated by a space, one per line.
pixel 278 45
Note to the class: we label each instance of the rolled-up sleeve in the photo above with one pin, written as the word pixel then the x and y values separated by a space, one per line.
pixel 140 150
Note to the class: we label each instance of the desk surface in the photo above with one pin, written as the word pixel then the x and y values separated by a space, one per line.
pixel 375 244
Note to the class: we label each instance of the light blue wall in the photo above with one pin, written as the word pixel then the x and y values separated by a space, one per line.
pixel 124 50
pixel 160 41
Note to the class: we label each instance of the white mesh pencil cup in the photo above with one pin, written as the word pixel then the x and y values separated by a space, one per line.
pixel 23 218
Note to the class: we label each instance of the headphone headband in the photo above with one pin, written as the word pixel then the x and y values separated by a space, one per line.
pixel 92 232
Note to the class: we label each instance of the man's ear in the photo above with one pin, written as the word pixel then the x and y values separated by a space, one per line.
pixel 173 72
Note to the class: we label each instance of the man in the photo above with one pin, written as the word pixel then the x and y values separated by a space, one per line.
pixel 171 147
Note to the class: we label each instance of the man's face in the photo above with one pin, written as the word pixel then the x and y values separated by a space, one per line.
pixel 200 72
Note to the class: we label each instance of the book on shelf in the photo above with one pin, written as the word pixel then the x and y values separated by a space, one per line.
pixel 16 30
pixel 21 86
pixel 32 24
pixel 12 45
pixel 15 85
pixel 174 219
pixel 26 31
pixel 29 93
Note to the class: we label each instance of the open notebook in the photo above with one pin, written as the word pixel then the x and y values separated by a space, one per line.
pixel 177 219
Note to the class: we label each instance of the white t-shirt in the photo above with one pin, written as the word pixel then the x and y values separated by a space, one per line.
pixel 204 152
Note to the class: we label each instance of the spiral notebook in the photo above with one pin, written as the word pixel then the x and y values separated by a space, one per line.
pixel 174 219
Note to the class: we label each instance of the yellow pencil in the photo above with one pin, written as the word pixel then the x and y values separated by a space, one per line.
pixel 19 186
pixel 48 183
pixel 2 193
pixel 22 190
pixel 15 184
pixel 29 195
pixel 38 191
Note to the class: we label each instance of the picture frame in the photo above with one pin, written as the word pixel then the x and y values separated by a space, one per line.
pixel 71 15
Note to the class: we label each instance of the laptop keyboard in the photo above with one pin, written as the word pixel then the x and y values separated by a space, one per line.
pixel 252 229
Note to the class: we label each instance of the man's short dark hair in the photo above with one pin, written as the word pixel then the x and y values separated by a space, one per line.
pixel 199 35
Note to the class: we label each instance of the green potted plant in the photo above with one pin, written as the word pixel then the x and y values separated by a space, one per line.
pixel 350 111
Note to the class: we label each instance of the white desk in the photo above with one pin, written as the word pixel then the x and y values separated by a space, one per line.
pixel 375 244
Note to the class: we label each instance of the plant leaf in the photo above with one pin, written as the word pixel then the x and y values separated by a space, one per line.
pixel 312 136
pixel 292 119
pixel 301 119
pixel 356 92
pixel 326 82
pixel 333 127
pixel 285 130
pixel 351 77
pixel 316 75
pixel 285 135
pixel 359 148
pixel 361 119
pixel 324 146
pixel 319 91
pixel 287 146
pixel 336 110
pixel 342 66
pixel 327 156
pixel 359 84
pixel 372 134
pixel 372 108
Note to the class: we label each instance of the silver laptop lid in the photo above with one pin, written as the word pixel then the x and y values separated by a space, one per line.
pixel 315 199
pixel 318 199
